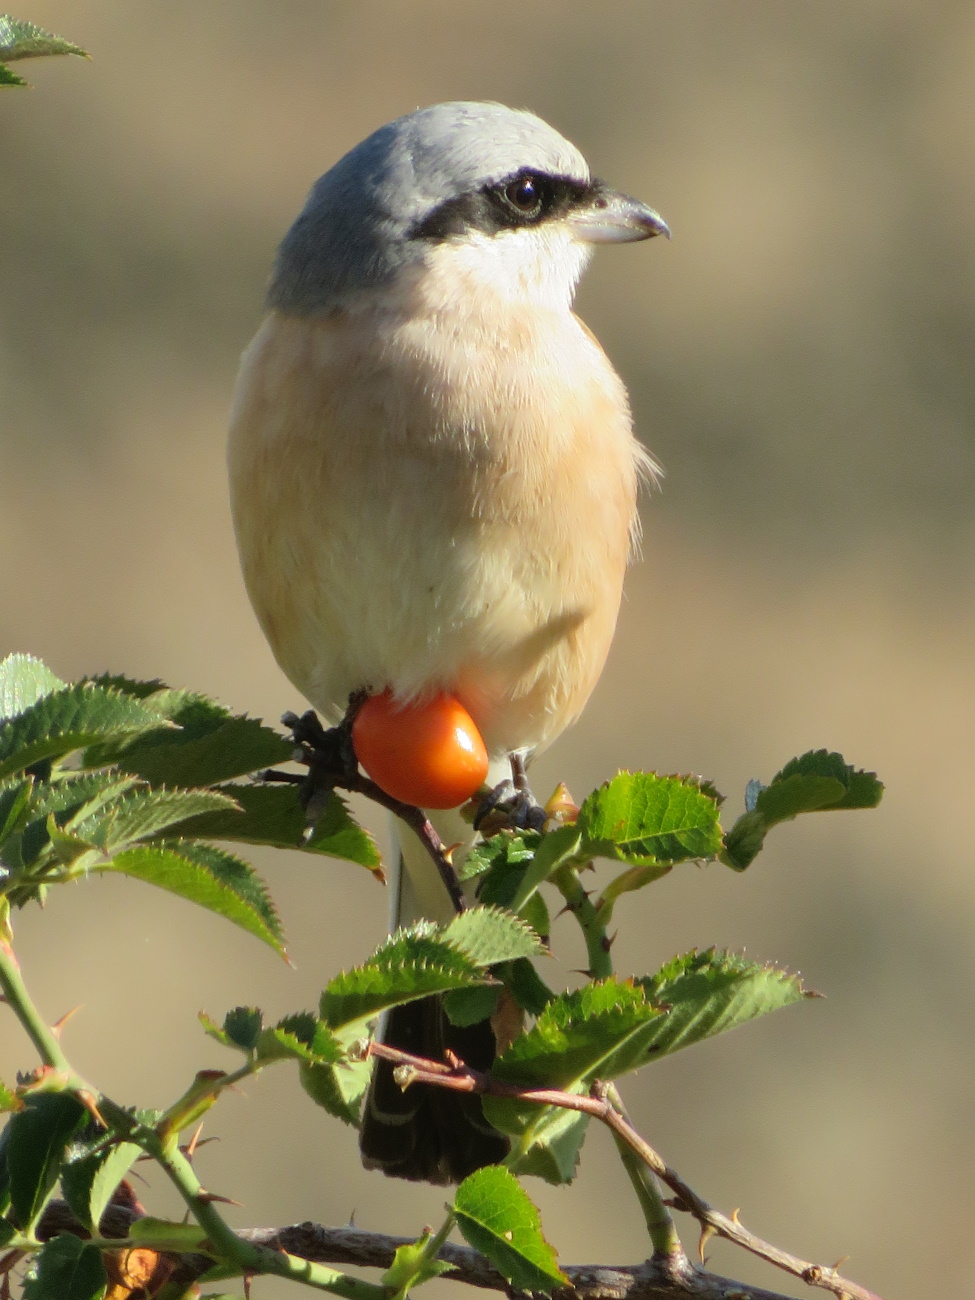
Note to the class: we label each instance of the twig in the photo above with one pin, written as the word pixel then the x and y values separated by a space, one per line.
pixel 245 1254
pixel 162 1148
pixel 18 999
pixel 598 943
pixel 652 1280
pixel 460 1078
pixel 333 766
pixel 660 1223
pixel 422 827
pixel 13 992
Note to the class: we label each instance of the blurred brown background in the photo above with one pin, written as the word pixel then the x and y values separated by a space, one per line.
pixel 800 361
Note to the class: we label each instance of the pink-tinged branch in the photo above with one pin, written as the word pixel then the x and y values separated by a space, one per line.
pixel 455 1075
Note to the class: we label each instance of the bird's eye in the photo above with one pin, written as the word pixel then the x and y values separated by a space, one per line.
pixel 525 194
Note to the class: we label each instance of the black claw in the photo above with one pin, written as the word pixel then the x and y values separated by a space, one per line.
pixel 327 753
pixel 500 798
pixel 511 804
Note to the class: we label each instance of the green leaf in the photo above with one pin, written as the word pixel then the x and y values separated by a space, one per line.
pixel 470 1006
pixel 9 1101
pixel 8 78
pixel 14 807
pixel 596 1031
pixel 707 993
pixel 555 1147
pixel 600 1031
pixel 210 877
pixel 745 840
pixel 411 1267
pixel 70 719
pixel 486 935
pixel 411 964
pixel 272 814
pixel 84 795
pixel 38 1137
pixel 862 789
pixel 529 989
pixel 139 689
pixel 242 1027
pixel 513 865
pixel 498 1219
pixel 507 848
pixel 535 912
pixel 816 781
pixel 627 882
pixel 69 850
pixel 211 745
pixel 302 1037
pixel 23 40
pixel 338 1089
pixel 67 1269
pixel 89 1182
pixel 23 679
pixel 564 844
pixel 213 1030
pixel 645 820
pixel 143 815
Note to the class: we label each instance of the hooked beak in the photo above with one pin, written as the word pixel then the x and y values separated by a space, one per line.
pixel 609 217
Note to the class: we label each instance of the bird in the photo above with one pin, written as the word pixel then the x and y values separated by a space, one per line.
pixel 434 480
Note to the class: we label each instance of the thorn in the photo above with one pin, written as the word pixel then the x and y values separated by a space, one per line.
pixel 59 1024
pixel 734 1216
pixel 190 1150
pixel 707 1232
pixel 452 1059
pixel 203 1142
pixel 842 1260
pixel 451 849
pixel 90 1105
pixel 209 1198
pixel 607 941
pixel 352 1218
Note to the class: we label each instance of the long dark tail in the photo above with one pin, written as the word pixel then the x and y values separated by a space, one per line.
pixel 424 1133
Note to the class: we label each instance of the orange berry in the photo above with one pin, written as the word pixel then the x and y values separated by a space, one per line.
pixel 428 753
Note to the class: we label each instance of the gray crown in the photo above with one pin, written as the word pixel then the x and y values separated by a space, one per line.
pixel 355 228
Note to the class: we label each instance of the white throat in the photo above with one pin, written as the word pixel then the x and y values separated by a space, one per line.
pixel 538 266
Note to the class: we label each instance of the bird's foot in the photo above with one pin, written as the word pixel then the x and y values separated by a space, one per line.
pixel 511 805
pixel 328 754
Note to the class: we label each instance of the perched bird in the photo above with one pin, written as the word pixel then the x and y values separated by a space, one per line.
pixel 434 481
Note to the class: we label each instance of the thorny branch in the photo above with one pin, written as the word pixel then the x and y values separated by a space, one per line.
pixel 455 1075
pixel 675 1278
